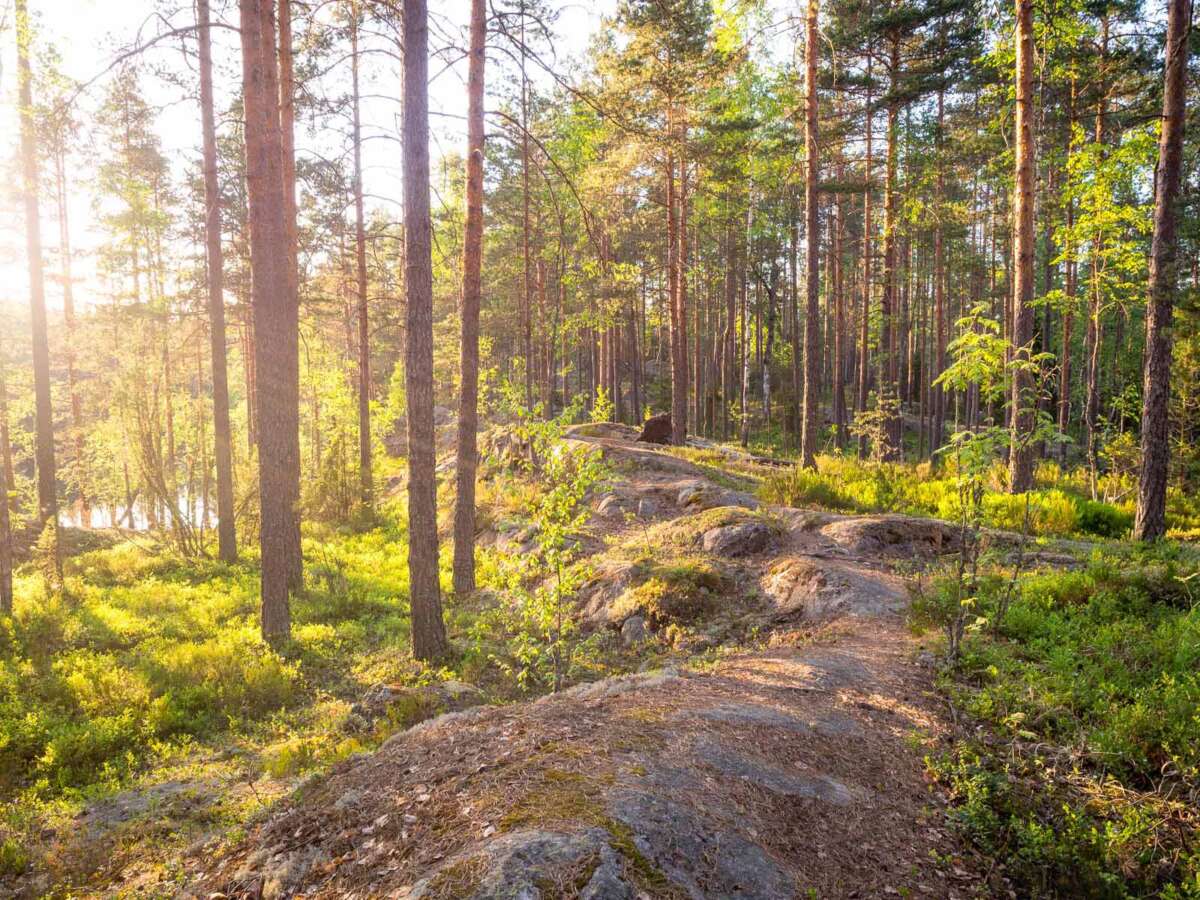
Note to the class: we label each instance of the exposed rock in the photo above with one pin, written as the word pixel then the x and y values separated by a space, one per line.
pixel 615 431
pixel 161 800
pixel 284 872
pixel 633 631
pixel 409 705
pixel 614 687
pixel 741 539
pixel 607 882
pixel 610 579
pixel 503 448
pixel 647 508
pixel 893 535
pixel 614 506
pixel 705 495
pixel 735 764
pixel 750 716
pixel 656 430
pixel 513 866
pixel 703 858
pixel 823 589
pixel 442 416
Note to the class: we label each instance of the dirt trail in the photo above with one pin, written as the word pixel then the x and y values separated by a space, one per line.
pixel 793 770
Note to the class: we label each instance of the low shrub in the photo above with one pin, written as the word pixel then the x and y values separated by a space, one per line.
pixel 1103 519
pixel 1093 677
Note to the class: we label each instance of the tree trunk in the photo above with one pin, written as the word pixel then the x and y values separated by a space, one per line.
pixel 276 347
pixel 864 369
pixel 839 326
pixel 527 277
pixel 729 343
pixel 222 433
pixel 6 489
pixel 47 483
pixel 889 358
pixel 468 408
pixel 938 396
pixel 68 286
pixel 428 628
pixel 1095 332
pixel 810 421
pixel 287 117
pixel 366 482
pixel 679 342
pixel 1024 396
pixel 1150 521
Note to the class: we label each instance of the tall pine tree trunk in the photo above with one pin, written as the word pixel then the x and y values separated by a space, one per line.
pixel 428 628
pixel 1024 398
pixel 468 412
pixel 276 345
pixel 6 489
pixel 889 358
pixel 679 341
pixel 365 479
pixel 864 369
pixel 810 405
pixel 1150 521
pixel 938 396
pixel 47 483
pixel 222 433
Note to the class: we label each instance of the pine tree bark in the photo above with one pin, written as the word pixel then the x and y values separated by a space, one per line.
pixel 468 407
pixel 839 325
pixel 276 346
pixel 287 126
pixel 1095 329
pixel 527 271
pixel 889 358
pixel 47 482
pixel 82 481
pixel 938 395
pixel 1024 397
pixel 864 325
pixel 6 488
pixel 428 627
pixel 679 340
pixel 222 433
pixel 729 340
pixel 810 421
pixel 1150 519
pixel 365 478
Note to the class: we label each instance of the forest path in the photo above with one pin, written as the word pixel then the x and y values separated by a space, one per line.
pixel 793 769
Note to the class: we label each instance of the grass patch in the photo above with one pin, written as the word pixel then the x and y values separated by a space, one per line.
pixel 1059 506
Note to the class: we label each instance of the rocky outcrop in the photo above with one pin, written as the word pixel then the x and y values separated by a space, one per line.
pixel 405 706
pixel 893 535
pixel 741 539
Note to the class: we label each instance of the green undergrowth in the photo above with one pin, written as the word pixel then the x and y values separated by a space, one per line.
pixel 1086 779
pixel 1060 505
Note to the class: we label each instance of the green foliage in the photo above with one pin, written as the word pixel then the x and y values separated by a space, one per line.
pixel 1094 678
pixel 1103 519
pixel 145 651
pixel 539 587
pixel 1058 507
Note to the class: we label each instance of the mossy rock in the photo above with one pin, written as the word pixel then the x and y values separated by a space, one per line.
pixel 679 592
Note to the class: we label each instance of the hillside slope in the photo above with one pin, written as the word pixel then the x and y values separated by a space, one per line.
pixel 788 766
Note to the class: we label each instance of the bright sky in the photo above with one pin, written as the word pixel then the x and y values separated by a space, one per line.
pixel 89 33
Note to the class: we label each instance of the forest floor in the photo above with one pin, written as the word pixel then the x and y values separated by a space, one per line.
pixel 752 714
pixel 788 762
